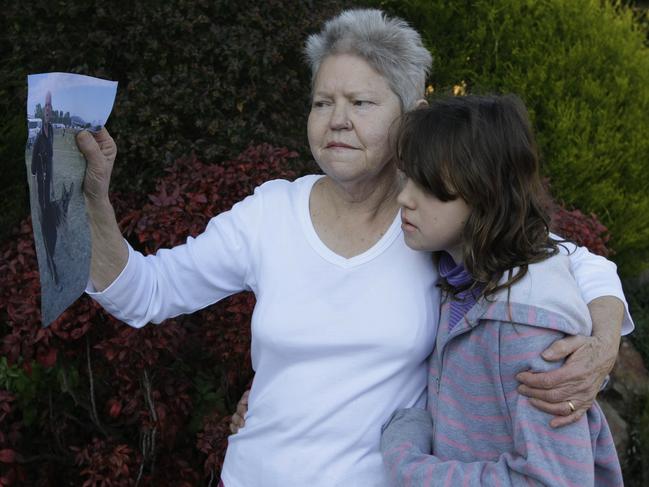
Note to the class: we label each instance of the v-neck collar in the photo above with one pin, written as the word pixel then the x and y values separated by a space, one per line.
pixel 325 252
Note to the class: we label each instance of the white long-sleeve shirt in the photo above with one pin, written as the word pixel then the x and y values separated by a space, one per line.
pixel 337 343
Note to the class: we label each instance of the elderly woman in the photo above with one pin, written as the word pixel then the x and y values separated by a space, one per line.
pixel 346 313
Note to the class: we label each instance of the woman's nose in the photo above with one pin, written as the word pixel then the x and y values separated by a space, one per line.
pixel 340 119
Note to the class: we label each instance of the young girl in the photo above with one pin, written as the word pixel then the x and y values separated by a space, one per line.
pixel 473 198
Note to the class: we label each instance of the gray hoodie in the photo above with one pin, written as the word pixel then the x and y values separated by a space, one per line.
pixel 477 429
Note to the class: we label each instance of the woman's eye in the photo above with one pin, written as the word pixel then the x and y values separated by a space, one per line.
pixel 362 103
pixel 319 103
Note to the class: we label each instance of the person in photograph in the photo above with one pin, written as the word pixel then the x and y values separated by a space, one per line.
pixel 42 168
pixel 42 155
pixel 473 197
pixel 52 212
pixel 346 313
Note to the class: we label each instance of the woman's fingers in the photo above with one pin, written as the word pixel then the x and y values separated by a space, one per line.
pixel 106 143
pixel 244 397
pixel 560 421
pixel 560 409
pixel 237 421
pixel 582 371
pixel 565 411
pixel 560 349
pixel 242 409
pixel 89 146
pixel 563 391
pixel 570 390
pixel 100 150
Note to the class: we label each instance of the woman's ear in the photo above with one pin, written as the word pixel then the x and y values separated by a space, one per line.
pixel 421 103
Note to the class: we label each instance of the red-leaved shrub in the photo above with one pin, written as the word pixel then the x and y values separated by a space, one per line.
pixel 584 230
pixel 105 404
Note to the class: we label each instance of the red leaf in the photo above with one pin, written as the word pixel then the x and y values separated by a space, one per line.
pixel 47 359
pixel 114 408
pixel 7 456
pixel 27 367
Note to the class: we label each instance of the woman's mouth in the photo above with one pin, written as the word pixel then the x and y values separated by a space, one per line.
pixel 338 145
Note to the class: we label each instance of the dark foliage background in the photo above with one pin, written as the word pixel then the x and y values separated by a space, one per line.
pixel 91 400
pixel 215 76
pixel 205 87
pixel 209 76
pixel 582 68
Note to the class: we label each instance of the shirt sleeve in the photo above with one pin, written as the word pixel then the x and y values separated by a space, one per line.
pixel 540 456
pixel 596 276
pixel 216 264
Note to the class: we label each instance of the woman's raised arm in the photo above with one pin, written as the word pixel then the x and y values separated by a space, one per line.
pixel 109 251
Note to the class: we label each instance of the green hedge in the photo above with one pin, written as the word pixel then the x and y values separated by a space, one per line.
pixel 213 76
pixel 194 75
pixel 582 67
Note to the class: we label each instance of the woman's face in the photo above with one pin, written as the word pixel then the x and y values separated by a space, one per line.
pixel 431 224
pixel 352 111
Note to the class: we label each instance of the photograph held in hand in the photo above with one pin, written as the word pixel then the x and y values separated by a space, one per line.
pixel 60 105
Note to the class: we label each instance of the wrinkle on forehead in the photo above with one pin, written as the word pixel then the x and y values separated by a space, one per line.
pixel 350 75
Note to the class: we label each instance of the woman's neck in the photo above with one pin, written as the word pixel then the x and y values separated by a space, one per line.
pixel 368 199
pixel 350 219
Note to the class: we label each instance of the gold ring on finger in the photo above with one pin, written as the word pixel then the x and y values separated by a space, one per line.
pixel 572 407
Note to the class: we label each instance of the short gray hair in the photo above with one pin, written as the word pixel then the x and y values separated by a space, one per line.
pixel 389 45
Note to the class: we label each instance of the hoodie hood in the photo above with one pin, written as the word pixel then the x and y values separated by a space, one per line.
pixel 547 297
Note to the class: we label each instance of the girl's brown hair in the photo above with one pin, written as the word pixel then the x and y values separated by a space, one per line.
pixel 482 149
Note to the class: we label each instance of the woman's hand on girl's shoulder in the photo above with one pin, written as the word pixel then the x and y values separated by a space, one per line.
pixel 569 391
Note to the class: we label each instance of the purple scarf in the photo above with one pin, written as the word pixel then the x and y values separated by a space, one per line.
pixel 458 277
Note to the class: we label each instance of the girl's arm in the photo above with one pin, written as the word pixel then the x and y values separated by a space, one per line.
pixel 406 442
pixel 588 359
pixel 540 455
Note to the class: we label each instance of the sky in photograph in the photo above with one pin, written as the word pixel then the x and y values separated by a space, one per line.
pixel 86 97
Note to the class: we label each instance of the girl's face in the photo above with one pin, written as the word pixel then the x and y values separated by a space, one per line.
pixel 430 224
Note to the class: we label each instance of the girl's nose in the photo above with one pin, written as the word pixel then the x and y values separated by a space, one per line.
pixel 404 197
